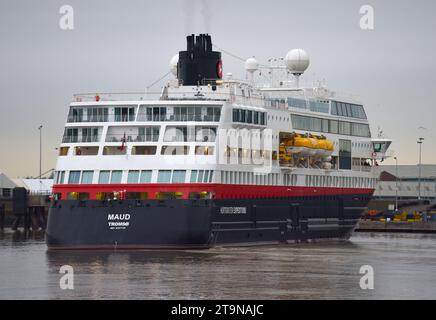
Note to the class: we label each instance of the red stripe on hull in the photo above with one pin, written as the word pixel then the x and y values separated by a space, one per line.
pixel 221 191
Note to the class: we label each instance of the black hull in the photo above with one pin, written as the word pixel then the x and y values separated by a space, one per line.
pixel 176 224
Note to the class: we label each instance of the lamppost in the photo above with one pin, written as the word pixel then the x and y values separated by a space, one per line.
pixel 396 184
pixel 40 151
pixel 420 141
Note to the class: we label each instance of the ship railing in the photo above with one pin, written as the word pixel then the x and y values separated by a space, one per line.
pixel 116 96
pixel 264 100
pixel 249 100
pixel 77 139
pixel 132 138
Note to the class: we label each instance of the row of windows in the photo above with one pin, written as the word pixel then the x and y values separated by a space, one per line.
pixel 206 176
pixel 330 126
pixel 133 134
pixel 74 135
pixel 190 134
pixel 180 114
pixel 348 110
pixel 406 188
pixel 249 116
pixel 101 114
pixel 133 176
pixel 137 150
pixel 312 105
pixel 127 113
pixel 240 177
pixel 340 182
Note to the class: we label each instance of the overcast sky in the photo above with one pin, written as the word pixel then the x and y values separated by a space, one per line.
pixel 126 45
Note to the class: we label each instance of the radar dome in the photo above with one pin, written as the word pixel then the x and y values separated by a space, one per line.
pixel 251 65
pixel 173 64
pixel 297 61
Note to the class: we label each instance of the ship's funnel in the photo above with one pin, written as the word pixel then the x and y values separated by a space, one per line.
pixel 199 65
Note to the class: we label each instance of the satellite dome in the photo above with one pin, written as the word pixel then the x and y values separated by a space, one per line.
pixel 297 61
pixel 251 65
pixel 173 64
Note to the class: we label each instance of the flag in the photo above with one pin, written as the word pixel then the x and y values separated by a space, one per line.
pixel 123 142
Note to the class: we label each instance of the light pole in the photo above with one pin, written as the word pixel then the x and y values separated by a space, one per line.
pixel 40 151
pixel 396 184
pixel 420 141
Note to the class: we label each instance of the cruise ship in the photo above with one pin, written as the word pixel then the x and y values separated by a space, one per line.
pixel 211 160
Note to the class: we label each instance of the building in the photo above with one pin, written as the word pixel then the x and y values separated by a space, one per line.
pixel 6 186
pixel 405 183
pixel 33 186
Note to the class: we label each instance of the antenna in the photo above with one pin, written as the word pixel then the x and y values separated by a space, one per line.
pixel 251 66
pixel 297 61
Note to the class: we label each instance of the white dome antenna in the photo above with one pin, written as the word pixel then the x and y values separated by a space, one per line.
pixel 251 66
pixel 297 61
pixel 173 64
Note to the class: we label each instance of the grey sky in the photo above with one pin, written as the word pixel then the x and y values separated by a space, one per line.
pixel 126 45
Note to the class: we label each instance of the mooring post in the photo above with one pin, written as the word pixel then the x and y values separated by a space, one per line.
pixel 2 216
pixel 26 219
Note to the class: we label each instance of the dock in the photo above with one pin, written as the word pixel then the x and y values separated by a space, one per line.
pixel 396 226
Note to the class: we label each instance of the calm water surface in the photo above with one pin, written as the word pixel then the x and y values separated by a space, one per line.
pixel 404 267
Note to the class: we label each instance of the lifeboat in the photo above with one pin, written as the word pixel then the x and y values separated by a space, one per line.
pixel 309 145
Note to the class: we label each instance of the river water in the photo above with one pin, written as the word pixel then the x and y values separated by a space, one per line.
pixel 404 267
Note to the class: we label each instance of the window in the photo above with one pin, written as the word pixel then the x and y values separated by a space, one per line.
pixel 6 192
pixel 145 176
pixel 318 106
pixel 205 134
pixel 200 175
pixel 164 176
pixel 123 114
pixel 74 177
pixel 193 176
pixel 256 117
pixel 334 108
pixel 348 110
pixel 116 176
pixel 235 116
pixel 75 114
pixel 180 113
pixel 144 150
pixel 104 177
pixel 248 116
pixel 63 151
pixel 344 128
pixel 114 151
pixel 70 135
pixel 344 154
pixel 262 118
pixel 179 134
pixel 179 176
pixel 174 150
pixel 204 150
pixel 133 176
pixel 333 126
pixel 360 130
pixel 89 135
pixel 61 177
pixel 87 177
pixel 85 151
pixel 148 134
pixel 297 103
pixel 97 114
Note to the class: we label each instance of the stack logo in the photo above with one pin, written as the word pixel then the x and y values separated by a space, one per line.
pixel 118 221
